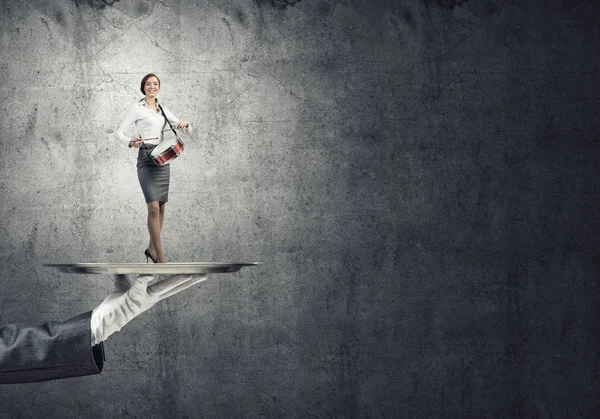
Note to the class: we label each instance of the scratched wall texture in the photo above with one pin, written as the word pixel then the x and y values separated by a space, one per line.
pixel 419 179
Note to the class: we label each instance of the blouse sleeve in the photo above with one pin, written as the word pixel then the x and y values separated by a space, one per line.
pixel 174 120
pixel 127 122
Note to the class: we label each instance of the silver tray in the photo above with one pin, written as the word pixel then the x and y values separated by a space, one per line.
pixel 151 268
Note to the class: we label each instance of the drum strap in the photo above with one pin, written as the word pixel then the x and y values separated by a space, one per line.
pixel 167 119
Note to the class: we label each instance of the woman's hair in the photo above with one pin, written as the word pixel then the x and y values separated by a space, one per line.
pixel 145 79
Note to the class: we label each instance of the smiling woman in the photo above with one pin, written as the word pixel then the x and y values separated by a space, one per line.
pixel 150 119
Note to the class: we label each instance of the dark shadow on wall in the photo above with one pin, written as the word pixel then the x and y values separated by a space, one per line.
pixel 446 4
pixel 96 4
pixel 280 4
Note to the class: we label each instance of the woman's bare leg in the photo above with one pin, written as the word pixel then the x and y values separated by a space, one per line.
pixel 161 207
pixel 154 227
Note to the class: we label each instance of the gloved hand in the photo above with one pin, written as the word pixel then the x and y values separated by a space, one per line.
pixel 131 298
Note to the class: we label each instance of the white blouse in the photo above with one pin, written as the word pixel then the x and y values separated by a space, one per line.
pixel 148 122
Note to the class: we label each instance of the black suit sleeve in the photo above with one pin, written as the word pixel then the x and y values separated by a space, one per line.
pixel 49 352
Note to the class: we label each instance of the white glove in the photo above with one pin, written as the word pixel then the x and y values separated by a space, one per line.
pixel 131 298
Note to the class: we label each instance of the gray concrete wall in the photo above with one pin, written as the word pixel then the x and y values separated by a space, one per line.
pixel 419 180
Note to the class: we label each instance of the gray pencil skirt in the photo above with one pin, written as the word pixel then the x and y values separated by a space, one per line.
pixel 154 178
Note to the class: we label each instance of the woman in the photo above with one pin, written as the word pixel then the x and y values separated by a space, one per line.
pixel 150 121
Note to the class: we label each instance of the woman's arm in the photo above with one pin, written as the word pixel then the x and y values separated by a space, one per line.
pixel 176 121
pixel 127 122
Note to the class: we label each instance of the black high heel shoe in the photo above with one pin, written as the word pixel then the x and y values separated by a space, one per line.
pixel 148 255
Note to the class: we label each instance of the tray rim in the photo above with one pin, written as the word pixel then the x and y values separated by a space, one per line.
pixel 143 268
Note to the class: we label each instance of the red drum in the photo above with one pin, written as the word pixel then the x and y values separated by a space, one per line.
pixel 167 151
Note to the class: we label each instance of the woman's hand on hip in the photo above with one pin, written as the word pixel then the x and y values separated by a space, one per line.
pixel 182 124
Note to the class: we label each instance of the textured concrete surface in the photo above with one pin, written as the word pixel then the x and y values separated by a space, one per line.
pixel 419 178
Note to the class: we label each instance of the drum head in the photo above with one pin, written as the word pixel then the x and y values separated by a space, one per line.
pixel 163 146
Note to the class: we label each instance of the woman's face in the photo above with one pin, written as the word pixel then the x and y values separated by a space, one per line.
pixel 151 87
